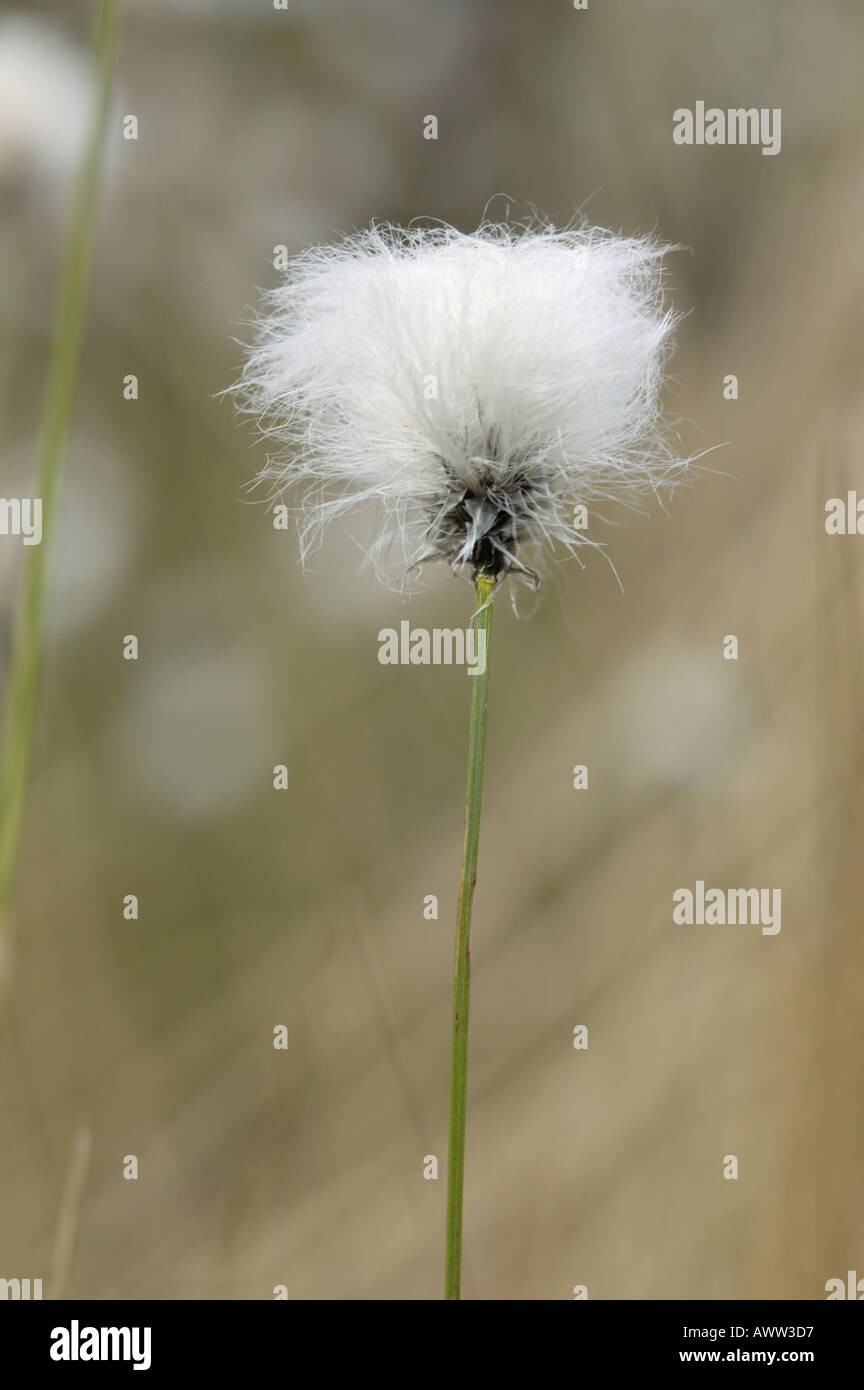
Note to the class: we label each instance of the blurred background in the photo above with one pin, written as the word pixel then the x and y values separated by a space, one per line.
pixel 303 1167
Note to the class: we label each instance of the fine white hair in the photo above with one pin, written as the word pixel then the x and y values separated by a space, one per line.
pixel 476 388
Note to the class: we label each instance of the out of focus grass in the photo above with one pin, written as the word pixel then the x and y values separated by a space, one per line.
pixel 22 681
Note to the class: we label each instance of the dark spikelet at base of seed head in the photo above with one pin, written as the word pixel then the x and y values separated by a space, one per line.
pixel 483 524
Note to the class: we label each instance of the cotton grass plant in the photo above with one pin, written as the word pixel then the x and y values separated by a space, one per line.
pixel 478 391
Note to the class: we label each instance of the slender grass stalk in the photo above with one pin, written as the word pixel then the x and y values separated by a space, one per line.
pixel 482 622
pixel 23 685
pixel 69 1215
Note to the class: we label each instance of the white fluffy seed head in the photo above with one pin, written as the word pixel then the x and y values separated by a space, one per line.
pixel 44 106
pixel 477 389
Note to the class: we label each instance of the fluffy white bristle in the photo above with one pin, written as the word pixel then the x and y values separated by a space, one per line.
pixel 476 389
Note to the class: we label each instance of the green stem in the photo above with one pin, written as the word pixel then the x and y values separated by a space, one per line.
pixel 23 685
pixel 482 623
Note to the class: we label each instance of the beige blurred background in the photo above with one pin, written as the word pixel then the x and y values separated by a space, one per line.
pixel 304 908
